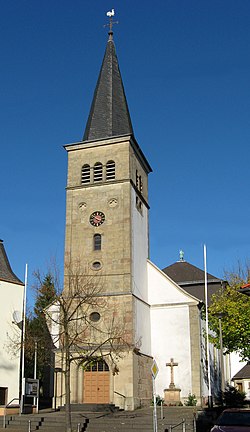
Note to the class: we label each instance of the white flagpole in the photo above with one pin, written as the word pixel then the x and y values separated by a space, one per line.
pixel 210 401
pixel 23 333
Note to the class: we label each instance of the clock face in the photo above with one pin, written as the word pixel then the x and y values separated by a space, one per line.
pixel 97 218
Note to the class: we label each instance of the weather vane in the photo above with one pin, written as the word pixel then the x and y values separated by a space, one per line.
pixel 110 14
pixel 181 255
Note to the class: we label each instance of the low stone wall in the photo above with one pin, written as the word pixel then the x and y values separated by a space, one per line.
pixel 8 411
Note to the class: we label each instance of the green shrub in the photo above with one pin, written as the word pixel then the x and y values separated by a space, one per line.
pixel 191 400
pixel 232 397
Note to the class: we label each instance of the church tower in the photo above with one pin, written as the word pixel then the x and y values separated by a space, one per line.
pixel 107 229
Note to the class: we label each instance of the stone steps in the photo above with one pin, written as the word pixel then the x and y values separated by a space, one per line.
pixel 91 408
pixel 137 421
pixel 46 423
pixel 141 420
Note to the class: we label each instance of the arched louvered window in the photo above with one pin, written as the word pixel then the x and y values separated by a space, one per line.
pixel 97 242
pixel 85 174
pixel 110 170
pixel 97 172
pixel 137 179
pixel 138 182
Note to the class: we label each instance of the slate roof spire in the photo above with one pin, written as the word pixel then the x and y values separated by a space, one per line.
pixel 109 115
pixel 6 273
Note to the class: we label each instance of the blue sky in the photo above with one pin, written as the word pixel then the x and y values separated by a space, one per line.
pixel 185 66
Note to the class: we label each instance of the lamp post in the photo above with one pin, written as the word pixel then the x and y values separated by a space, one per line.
pixel 210 397
pixel 220 315
pixel 35 358
pixel 35 401
pixel 23 341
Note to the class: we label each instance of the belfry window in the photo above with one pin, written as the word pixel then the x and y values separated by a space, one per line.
pixel 139 205
pixel 97 242
pixel 110 170
pixel 85 174
pixel 138 182
pixel 137 179
pixel 97 172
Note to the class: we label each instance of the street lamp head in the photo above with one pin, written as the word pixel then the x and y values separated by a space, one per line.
pixel 220 315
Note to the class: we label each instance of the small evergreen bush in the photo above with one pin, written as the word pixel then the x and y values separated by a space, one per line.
pixel 233 398
pixel 191 400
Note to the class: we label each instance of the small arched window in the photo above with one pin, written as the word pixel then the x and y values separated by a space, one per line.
pixel 110 170
pixel 97 172
pixel 97 242
pixel 85 174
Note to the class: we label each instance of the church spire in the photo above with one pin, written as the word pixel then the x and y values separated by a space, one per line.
pixel 6 273
pixel 109 115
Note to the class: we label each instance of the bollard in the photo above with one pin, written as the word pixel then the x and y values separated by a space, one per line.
pixel 194 423
pixel 29 429
pixel 78 427
pixel 183 426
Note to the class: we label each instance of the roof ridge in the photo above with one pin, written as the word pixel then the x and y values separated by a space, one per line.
pixel 186 265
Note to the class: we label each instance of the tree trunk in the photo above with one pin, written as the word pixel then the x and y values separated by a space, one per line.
pixel 67 389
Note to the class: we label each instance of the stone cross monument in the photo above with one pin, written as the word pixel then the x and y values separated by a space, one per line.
pixel 172 394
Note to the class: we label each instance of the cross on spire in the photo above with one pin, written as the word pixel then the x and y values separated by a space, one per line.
pixel 110 14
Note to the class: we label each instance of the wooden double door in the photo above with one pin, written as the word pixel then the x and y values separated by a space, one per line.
pixel 96 383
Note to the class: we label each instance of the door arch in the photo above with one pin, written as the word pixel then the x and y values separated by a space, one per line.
pixel 96 383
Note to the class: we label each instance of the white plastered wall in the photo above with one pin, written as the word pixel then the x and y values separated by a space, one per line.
pixel 170 330
pixel 52 314
pixel 139 234
pixel 235 365
pixel 143 328
pixel 11 301
pixel 139 237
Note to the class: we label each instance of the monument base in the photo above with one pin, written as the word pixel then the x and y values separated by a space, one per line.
pixel 172 396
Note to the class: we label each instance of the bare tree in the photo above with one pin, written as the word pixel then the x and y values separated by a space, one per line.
pixel 85 324
pixel 239 274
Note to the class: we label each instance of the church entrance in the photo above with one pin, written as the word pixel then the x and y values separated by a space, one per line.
pixel 96 383
pixel 3 395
